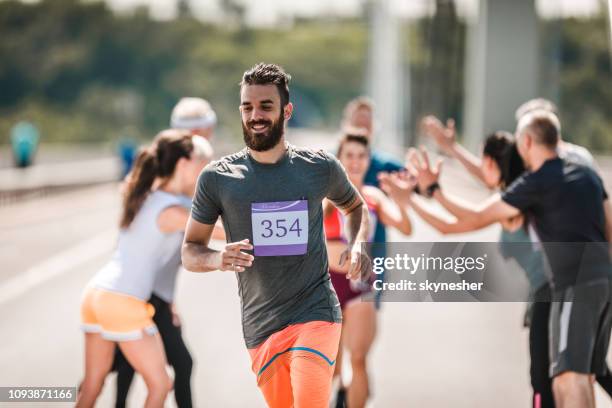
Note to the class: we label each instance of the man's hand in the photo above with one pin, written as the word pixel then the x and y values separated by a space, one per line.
pixel 231 258
pixel 418 165
pixel 360 267
pixel 445 137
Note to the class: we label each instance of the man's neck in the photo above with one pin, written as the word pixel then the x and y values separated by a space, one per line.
pixel 542 157
pixel 270 156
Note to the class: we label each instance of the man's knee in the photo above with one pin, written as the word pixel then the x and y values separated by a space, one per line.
pixel 570 381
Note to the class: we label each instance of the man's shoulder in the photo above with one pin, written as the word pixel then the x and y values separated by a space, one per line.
pixel 562 172
pixel 573 170
pixel 226 163
pixel 527 180
pixel 572 167
pixel 217 171
pixel 309 155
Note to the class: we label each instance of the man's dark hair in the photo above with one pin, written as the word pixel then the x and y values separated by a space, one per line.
pixel 269 74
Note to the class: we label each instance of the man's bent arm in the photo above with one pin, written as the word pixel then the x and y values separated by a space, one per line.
pixel 196 255
pixel 357 221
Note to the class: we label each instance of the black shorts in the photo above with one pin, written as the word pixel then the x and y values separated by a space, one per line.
pixel 580 324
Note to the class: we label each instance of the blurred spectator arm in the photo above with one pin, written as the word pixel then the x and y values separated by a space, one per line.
pixel 446 139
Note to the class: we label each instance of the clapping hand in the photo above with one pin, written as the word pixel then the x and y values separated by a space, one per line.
pixel 445 137
pixel 419 166
pixel 398 186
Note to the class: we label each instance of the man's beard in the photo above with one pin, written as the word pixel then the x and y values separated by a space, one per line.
pixel 261 142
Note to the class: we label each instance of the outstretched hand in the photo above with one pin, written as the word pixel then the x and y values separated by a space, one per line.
pixel 398 186
pixel 419 166
pixel 445 137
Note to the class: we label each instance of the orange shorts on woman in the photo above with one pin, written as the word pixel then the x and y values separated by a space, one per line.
pixel 116 316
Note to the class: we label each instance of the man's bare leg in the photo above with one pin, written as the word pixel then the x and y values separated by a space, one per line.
pixel 573 390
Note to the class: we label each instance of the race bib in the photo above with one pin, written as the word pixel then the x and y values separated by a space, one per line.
pixel 280 228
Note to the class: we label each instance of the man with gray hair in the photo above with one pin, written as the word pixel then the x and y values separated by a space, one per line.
pixel 570 209
pixel 567 150
pixel 196 115
pixel 565 199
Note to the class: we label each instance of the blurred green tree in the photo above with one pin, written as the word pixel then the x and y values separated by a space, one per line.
pixel 85 74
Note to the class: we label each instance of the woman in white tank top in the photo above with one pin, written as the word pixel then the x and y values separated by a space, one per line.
pixel 114 308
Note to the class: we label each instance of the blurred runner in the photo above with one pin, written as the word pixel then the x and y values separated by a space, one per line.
pixel 359 113
pixel 269 196
pixel 114 307
pixel 24 143
pixel 568 204
pixel 359 317
pixel 193 115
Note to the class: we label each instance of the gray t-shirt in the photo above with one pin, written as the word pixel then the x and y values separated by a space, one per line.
pixel 272 205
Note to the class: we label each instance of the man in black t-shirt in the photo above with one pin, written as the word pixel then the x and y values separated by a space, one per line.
pixel 571 212
pixel 569 207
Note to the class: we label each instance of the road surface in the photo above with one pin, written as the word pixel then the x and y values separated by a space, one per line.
pixel 460 355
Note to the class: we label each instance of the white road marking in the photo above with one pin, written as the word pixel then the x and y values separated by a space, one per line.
pixel 58 264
